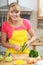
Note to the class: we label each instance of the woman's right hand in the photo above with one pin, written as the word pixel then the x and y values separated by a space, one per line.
pixel 17 48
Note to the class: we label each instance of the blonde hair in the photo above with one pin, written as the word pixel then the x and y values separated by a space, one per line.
pixel 16 8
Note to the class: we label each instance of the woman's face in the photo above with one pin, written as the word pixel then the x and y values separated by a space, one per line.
pixel 13 15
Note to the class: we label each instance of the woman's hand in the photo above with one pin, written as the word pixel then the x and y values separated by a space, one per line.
pixel 17 48
pixel 27 44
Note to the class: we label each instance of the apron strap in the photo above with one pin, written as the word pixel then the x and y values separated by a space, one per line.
pixel 23 24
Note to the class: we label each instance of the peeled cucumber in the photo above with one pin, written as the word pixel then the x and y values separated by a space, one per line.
pixel 23 47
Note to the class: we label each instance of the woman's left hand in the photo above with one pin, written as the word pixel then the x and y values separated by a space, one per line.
pixel 27 44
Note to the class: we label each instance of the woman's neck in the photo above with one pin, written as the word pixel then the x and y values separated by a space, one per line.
pixel 16 23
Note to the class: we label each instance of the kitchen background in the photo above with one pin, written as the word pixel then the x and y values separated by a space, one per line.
pixel 29 10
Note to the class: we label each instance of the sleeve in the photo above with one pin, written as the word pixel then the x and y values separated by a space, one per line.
pixel 3 29
pixel 27 24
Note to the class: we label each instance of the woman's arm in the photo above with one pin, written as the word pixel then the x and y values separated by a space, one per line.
pixel 6 44
pixel 32 35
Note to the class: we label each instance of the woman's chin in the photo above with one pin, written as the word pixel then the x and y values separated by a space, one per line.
pixel 13 19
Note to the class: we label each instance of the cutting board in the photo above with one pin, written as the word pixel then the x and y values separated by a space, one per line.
pixel 23 57
pixel 12 63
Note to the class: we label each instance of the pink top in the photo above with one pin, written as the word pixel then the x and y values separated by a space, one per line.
pixel 8 29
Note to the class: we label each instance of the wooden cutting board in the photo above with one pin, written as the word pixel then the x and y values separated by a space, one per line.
pixel 11 63
pixel 24 57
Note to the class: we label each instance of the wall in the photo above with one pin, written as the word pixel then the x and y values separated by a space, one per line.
pixel 10 1
pixel 3 2
pixel 32 4
pixel 33 20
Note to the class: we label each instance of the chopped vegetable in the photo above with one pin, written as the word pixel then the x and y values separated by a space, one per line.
pixel 1 57
pixel 8 59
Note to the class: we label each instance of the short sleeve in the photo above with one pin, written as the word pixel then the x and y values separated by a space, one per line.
pixel 27 24
pixel 6 28
pixel 3 29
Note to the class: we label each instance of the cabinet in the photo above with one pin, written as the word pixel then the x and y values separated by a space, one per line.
pixel 40 13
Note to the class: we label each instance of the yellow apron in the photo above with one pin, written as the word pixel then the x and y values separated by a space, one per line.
pixel 18 38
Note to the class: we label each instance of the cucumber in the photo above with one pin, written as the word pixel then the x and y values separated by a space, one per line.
pixel 23 47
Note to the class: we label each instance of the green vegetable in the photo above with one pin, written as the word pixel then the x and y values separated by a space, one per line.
pixel 1 57
pixel 33 53
pixel 8 58
pixel 23 47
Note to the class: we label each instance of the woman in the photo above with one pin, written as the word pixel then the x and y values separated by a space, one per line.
pixel 16 28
